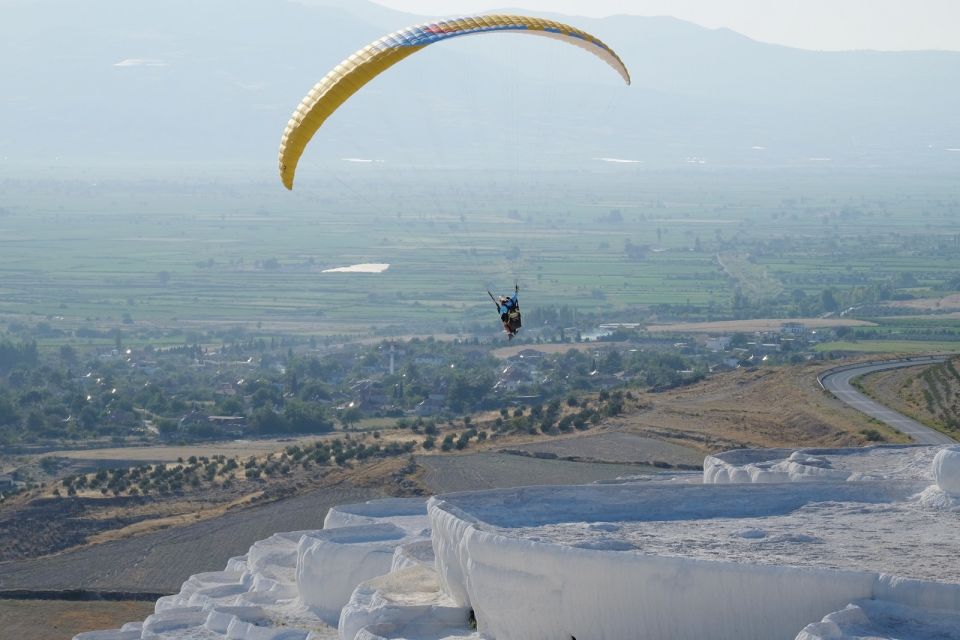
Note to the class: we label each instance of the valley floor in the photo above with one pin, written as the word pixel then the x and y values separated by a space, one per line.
pixel 62 619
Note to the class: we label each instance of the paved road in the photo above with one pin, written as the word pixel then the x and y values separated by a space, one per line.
pixel 837 382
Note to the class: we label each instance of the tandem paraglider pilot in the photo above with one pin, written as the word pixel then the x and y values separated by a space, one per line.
pixel 509 309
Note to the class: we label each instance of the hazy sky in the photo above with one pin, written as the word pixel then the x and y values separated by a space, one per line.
pixel 810 24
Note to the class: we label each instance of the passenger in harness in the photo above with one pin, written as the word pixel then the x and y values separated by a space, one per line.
pixel 509 309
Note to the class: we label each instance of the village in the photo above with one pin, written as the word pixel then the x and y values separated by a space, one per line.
pixel 269 387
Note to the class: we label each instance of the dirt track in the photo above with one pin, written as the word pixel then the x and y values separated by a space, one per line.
pixel 126 456
pixel 617 447
pixel 445 474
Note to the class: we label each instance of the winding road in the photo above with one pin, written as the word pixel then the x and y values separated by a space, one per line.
pixel 837 382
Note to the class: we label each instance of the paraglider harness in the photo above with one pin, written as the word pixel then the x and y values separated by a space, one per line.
pixel 509 309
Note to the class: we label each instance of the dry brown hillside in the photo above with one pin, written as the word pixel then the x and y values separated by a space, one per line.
pixel 774 407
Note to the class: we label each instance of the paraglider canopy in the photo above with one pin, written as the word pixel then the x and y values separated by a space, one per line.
pixel 352 74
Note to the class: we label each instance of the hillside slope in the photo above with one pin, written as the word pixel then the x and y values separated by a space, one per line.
pixel 769 407
pixel 930 394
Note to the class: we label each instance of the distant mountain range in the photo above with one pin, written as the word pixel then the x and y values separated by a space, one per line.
pixel 212 83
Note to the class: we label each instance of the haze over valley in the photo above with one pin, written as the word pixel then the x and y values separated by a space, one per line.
pixel 741 268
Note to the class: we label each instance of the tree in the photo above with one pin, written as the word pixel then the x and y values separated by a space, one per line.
pixel 12 354
pixel 166 426
pixel 88 417
pixel 350 417
pixel 230 407
pixel 828 300
pixel 8 413
pixel 265 421
pixel 612 362
pixel 614 406
pixel 35 421
pixel 264 396
pixel 739 340
pixel 739 301
pixel 68 354
pixel 303 417
pixel 467 389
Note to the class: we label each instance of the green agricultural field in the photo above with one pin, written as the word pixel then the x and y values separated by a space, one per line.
pixel 195 255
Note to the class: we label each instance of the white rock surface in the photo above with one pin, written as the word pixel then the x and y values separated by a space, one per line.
pixel 409 514
pixel 391 632
pixel 413 554
pixel 332 562
pixel 521 588
pixel 709 561
pixel 884 620
pixel 632 560
pixel 410 598
pixel 884 462
pixel 946 470
pixel 173 620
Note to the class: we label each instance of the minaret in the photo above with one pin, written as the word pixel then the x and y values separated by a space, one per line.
pixel 391 358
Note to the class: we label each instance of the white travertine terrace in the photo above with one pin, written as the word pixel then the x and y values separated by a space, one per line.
pixel 820 544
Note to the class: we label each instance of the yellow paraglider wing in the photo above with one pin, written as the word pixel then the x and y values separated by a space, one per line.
pixel 349 76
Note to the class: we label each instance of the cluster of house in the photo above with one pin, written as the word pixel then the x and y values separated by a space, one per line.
pixel 521 369
pixel 524 370
pixel 370 392
pixel 791 336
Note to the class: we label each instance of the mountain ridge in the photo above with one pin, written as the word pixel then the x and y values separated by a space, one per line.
pixel 108 83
